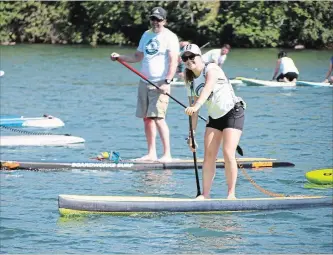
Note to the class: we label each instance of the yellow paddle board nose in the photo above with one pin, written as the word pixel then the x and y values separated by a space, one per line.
pixel 320 176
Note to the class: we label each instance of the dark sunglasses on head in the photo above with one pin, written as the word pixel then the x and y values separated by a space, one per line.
pixel 155 19
pixel 190 57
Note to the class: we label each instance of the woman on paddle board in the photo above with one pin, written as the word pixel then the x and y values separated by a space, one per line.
pixel 286 67
pixel 217 56
pixel 209 85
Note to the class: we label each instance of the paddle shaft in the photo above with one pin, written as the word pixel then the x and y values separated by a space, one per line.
pixel 203 46
pixel 239 149
pixel 195 158
pixel 151 83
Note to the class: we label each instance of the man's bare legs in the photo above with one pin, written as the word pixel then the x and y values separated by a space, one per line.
pixel 164 133
pixel 150 131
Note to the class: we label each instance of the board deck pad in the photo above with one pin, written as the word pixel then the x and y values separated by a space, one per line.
pixel 255 163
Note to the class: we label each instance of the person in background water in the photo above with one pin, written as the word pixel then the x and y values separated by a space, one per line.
pixel 158 50
pixel 181 65
pixel 330 69
pixel 210 86
pixel 286 68
pixel 217 56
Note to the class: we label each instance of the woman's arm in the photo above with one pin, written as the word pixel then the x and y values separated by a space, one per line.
pixel 277 68
pixel 192 100
pixel 194 118
pixel 211 79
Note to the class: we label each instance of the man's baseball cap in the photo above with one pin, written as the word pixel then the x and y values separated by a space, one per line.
pixel 158 12
pixel 193 48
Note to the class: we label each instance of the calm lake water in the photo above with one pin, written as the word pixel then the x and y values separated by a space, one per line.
pixel 96 98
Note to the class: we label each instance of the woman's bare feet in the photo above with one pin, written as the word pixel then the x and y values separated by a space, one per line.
pixel 201 197
pixel 231 196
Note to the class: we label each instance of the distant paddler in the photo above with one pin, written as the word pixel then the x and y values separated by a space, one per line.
pixel 330 69
pixel 217 56
pixel 286 68
pixel 181 65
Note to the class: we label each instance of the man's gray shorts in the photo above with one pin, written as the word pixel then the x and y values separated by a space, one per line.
pixel 151 102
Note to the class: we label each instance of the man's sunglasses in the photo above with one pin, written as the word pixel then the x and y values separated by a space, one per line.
pixel 190 57
pixel 156 19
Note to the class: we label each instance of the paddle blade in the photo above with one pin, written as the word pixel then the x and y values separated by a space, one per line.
pixel 239 150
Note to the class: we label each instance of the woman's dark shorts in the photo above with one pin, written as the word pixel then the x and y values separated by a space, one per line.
pixel 233 119
pixel 290 76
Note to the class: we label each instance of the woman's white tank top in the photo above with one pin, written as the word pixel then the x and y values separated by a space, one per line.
pixel 287 65
pixel 222 98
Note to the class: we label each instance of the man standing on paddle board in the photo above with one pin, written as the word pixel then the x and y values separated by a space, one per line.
pixel 210 86
pixel 158 50
pixel 286 67
pixel 217 56
pixel 330 69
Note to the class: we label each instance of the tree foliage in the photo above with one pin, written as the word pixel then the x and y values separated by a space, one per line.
pixel 239 23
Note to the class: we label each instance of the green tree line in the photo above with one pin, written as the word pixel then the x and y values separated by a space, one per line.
pixel 239 23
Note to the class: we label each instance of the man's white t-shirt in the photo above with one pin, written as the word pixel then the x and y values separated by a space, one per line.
pixel 214 56
pixel 155 47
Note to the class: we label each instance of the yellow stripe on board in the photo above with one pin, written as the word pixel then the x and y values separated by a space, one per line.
pixel 70 212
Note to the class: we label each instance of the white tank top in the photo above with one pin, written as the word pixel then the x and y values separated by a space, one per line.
pixel 287 65
pixel 222 98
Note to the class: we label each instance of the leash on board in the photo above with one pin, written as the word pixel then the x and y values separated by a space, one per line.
pixel 239 149
pixel 267 192
pixel 29 132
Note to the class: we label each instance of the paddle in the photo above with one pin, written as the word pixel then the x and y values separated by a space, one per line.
pixel 203 46
pixel 151 83
pixel 239 149
pixel 194 158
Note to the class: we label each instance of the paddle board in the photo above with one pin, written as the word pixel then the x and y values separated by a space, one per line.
pixel 80 204
pixel 310 185
pixel 181 83
pixel 254 163
pixel 255 82
pixel 39 140
pixel 320 176
pixel 310 83
pixel 46 121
